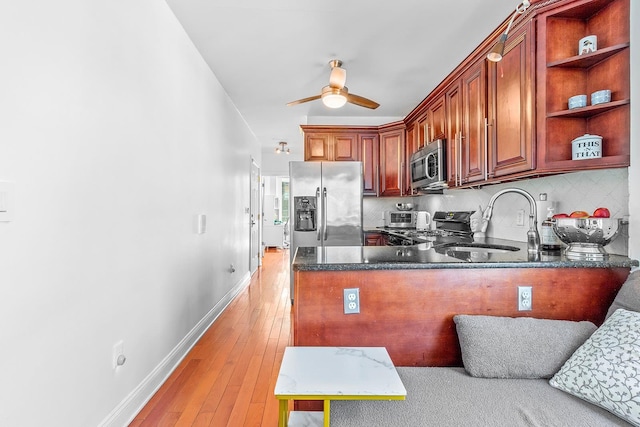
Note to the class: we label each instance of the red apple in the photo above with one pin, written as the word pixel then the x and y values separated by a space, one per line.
pixel 560 215
pixel 601 213
pixel 579 214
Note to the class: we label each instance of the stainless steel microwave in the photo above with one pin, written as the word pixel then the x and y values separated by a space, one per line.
pixel 400 219
pixel 428 167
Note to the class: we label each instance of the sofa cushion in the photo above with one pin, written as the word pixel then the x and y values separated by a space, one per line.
pixel 522 347
pixel 449 397
pixel 605 370
pixel 629 294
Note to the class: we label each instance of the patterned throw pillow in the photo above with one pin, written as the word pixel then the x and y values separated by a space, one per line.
pixel 605 370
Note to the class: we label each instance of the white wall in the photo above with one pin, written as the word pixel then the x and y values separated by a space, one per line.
pixel 115 135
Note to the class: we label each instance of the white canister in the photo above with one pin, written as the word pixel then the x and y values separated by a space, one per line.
pixel 423 219
pixel 586 147
pixel 587 45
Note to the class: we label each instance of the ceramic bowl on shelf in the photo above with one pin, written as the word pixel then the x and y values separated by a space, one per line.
pixel 577 101
pixel 600 97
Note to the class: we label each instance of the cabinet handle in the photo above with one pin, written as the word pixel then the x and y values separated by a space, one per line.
pixel 460 156
pixel 455 160
pixel 318 220
pixel 486 148
pixel 324 214
pixel 400 176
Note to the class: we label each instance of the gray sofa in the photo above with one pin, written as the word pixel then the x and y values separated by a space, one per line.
pixel 523 372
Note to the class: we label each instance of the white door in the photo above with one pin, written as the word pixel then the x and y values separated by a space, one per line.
pixel 254 218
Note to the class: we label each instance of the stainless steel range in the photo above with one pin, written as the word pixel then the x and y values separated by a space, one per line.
pixel 453 226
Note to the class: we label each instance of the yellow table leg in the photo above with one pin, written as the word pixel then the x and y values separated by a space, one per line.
pixel 283 415
pixel 327 409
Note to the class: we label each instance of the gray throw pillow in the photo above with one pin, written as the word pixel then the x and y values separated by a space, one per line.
pixel 628 296
pixel 605 370
pixel 521 347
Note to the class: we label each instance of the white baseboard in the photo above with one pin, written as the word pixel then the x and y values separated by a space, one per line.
pixel 125 412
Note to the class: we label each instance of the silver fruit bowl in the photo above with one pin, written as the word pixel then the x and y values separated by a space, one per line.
pixel 586 237
pixel 404 206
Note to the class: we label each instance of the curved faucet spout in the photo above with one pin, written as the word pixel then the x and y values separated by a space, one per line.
pixel 533 238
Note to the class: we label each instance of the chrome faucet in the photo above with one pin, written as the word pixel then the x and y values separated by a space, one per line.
pixel 533 238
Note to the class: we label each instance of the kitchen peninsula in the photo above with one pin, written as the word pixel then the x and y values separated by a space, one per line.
pixel 409 295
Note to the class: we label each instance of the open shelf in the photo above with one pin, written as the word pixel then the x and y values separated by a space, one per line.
pixel 590 110
pixel 589 59
pixel 563 73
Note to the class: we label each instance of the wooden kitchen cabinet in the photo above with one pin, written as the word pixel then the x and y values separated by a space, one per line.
pixel 510 106
pixel 432 123
pixel 392 160
pixel 325 145
pixel 489 115
pixel 436 120
pixel 370 157
pixel 509 120
pixel 410 146
pixel 472 141
pixel 453 103
pixel 562 73
pixel 346 143
pixel 375 238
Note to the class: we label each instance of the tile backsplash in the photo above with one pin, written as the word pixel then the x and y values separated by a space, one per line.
pixel 586 190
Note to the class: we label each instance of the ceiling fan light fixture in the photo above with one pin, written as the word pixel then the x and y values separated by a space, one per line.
pixel 333 97
pixel 282 148
pixel 334 101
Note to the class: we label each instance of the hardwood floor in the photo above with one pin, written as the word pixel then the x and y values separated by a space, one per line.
pixel 228 378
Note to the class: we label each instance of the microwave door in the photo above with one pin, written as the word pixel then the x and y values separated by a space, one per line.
pixel 418 170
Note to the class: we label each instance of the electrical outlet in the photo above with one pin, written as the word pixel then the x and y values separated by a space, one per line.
pixel 525 298
pixel 520 217
pixel 352 301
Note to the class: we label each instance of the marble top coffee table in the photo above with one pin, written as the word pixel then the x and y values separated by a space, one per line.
pixel 334 373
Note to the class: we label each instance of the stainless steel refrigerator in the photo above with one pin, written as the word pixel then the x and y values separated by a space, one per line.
pixel 326 205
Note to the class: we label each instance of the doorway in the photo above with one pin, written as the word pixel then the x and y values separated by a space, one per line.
pixel 254 218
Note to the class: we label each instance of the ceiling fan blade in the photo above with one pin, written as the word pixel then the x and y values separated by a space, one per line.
pixel 300 101
pixel 361 101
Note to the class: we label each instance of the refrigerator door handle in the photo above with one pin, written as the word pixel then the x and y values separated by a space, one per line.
pixel 318 227
pixel 324 214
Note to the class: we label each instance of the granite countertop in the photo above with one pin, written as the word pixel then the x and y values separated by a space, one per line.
pixel 426 256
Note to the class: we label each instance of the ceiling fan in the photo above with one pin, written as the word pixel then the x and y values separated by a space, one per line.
pixel 336 94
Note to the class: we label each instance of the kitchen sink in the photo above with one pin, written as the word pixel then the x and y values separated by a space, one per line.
pixel 479 247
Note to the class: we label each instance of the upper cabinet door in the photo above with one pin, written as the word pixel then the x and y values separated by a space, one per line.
pixel 370 150
pixel 316 146
pixel 436 120
pixel 453 103
pixel 510 96
pixel 330 146
pixel 391 162
pixel 474 124
pixel 345 147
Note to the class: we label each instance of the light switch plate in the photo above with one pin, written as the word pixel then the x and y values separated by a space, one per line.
pixel 202 224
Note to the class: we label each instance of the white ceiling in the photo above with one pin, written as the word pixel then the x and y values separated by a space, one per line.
pixel 266 53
